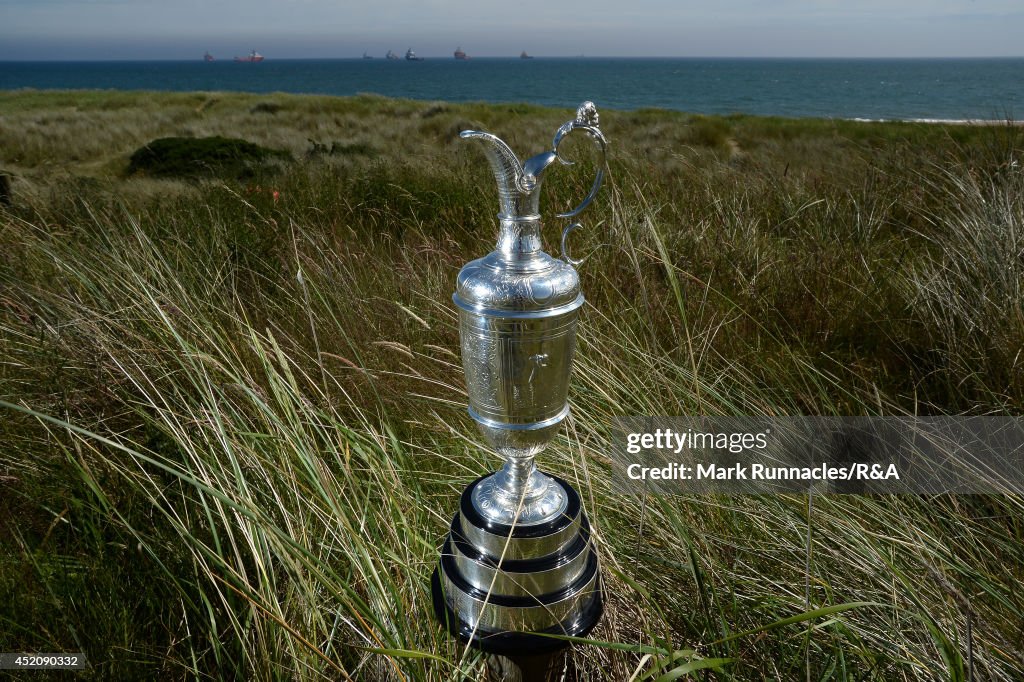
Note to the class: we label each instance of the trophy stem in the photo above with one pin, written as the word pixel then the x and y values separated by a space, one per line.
pixel 515 477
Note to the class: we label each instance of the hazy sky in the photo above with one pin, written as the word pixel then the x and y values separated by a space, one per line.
pixel 184 29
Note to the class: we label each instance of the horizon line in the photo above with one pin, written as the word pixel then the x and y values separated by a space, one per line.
pixel 539 56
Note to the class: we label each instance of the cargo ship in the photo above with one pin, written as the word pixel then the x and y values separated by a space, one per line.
pixel 460 55
pixel 253 58
pixel 391 55
pixel 411 56
pixel 523 55
pixel 207 57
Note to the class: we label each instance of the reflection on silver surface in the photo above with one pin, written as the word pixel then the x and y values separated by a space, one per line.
pixel 519 583
pixel 477 610
pixel 499 545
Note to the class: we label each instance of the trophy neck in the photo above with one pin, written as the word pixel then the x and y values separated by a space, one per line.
pixel 519 238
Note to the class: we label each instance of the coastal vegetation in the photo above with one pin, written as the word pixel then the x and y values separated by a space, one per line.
pixel 224 157
pixel 233 418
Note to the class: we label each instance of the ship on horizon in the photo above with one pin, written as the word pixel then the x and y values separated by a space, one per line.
pixel 253 58
pixel 523 55
pixel 207 57
pixel 411 56
pixel 460 55
pixel 391 55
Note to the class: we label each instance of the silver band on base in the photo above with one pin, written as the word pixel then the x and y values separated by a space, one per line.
pixel 497 580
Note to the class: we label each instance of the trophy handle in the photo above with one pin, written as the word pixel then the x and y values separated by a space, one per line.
pixel 587 121
pixel 565 246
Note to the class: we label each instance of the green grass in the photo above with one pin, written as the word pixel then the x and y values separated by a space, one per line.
pixel 234 427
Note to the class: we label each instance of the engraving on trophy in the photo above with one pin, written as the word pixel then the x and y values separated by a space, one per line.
pixel 538 360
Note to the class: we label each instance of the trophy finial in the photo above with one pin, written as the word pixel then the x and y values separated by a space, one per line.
pixel 586 114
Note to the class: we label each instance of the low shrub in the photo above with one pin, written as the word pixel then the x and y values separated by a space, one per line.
pixel 201 156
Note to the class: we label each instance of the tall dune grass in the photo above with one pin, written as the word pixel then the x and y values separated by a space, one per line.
pixel 234 424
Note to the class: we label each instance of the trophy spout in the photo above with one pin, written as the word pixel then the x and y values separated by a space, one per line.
pixel 518 190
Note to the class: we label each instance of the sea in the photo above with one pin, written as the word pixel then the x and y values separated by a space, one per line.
pixel 868 89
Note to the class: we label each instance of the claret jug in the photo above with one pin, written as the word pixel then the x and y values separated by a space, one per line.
pixel 518 562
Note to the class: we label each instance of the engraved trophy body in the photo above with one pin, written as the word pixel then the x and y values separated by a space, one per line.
pixel 519 559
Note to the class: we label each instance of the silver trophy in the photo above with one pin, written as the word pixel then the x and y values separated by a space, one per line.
pixel 519 559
